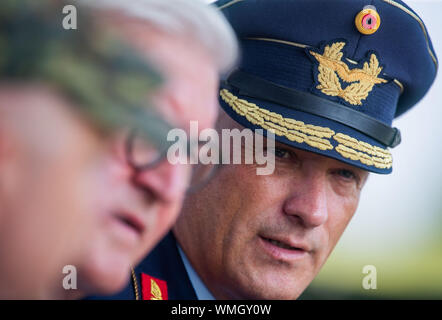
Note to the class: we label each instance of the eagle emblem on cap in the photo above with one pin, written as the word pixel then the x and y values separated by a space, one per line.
pixel 332 69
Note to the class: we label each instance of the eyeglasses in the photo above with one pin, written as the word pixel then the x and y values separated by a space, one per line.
pixel 107 80
pixel 145 152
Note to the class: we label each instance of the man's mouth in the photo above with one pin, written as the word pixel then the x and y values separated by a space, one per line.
pixel 131 221
pixel 283 249
pixel 281 244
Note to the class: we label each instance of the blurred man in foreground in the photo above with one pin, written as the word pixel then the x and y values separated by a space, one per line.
pixel 74 116
pixel 191 43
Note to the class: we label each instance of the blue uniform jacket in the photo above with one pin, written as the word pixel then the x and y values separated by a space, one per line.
pixel 160 276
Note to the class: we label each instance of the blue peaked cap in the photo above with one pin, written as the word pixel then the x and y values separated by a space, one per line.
pixel 329 76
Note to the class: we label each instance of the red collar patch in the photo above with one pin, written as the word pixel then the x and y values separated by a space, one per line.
pixel 153 288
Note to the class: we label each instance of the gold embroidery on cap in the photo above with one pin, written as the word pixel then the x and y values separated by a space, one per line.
pixel 300 45
pixel 155 290
pixel 290 128
pixel 354 149
pixel 331 69
pixel 315 136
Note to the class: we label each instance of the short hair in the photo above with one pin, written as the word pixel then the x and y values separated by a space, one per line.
pixel 187 17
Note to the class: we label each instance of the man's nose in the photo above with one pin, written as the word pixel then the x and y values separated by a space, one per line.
pixel 309 202
pixel 165 182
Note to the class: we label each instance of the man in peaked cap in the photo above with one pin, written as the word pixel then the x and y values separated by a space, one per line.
pixel 327 77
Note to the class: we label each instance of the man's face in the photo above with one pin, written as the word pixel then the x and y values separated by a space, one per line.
pixel 147 203
pixel 73 198
pixel 49 159
pixel 266 237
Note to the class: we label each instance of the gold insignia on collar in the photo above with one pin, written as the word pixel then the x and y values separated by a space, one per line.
pixel 155 290
pixel 332 69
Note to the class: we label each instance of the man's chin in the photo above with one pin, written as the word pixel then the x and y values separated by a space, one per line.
pixel 272 285
pixel 105 279
pixel 274 293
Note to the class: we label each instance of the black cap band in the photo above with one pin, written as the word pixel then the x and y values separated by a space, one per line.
pixel 258 88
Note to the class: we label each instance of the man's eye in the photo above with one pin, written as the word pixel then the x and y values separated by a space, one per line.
pixel 282 153
pixel 347 174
